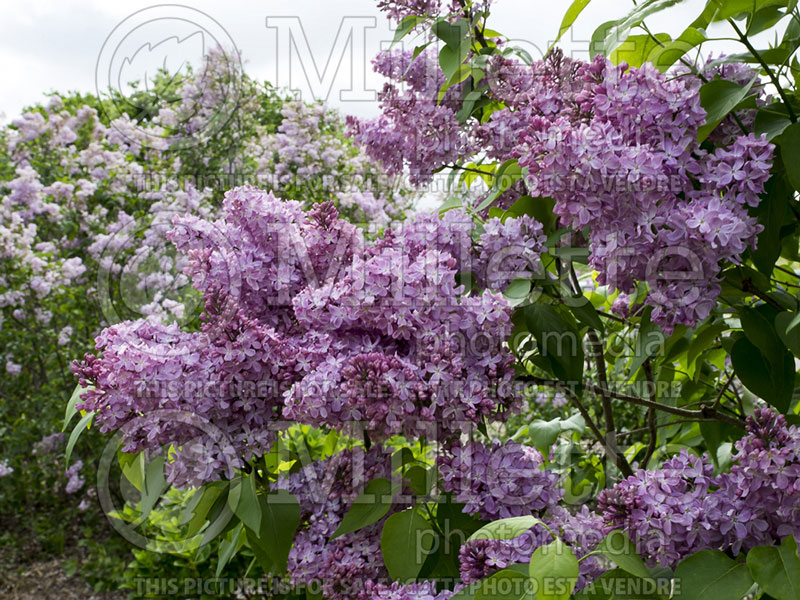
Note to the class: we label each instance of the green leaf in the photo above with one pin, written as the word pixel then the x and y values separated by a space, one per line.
pixel 756 373
pixel 786 324
pixel 406 540
pixel 586 313
pixel 452 34
pixel 153 486
pixel 618 547
pixel 544 434
pixel 649 341
pixel 727 9
pixel 554 570
pixel 572 14
pixel 702 340
pixel 228 547
pixel 712 574
pixel 636 49
pixel 420 480
pixel 280 516
pixel 260 551
pixel 368 508
pixel 597 43
pixel 765 18
pixel 558 340
pixel 777 570
pixel 244 502
pixel 505 529
pixel 664 57
pixel 406 25
pixel 82 426
pixel 719 97
pixel 450 60
pixel 771 121
pixel 517 291
pixel 789 142
pixel 715 434
pixel 207 497
pixel 618 32
pixel 132 466
pixel 772 212
pixel 72 408
pixel 605 588
pixel 507 584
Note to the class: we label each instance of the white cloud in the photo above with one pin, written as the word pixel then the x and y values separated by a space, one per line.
pixel 50 45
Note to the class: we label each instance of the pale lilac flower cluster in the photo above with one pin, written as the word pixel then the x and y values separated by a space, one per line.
pixel 75 480
pixel 49 444
pixel 5 468
pixel 308 159
pixel 399 9
pixel 499 481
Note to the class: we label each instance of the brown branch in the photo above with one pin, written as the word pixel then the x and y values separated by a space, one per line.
pixel 651 413
pixel 608 413
pixel 706 412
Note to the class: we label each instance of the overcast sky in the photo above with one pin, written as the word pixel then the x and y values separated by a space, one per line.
pixel 48 45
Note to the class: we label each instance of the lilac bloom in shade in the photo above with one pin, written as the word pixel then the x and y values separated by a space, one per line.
pixel 325 490
pixel 581 531
pixel 74 479
pixel 499 481
pixel 682 507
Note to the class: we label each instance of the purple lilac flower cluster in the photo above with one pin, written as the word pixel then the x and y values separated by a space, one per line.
pixel 415 126
pixel 500 480
pixel 325 490
pixel 628 168
pixel 424 590
pixel 306 321
pixel 511 249
pixel 400 9
pixel 75 480
pixel 682 507
pixel 615 147
pixel 582 531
